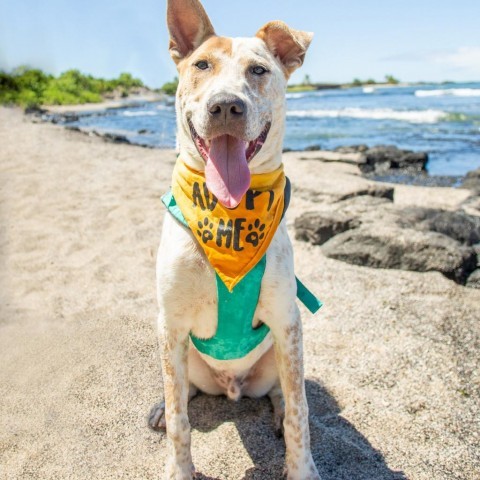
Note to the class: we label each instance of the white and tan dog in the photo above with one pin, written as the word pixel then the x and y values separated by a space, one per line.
pixel 231 99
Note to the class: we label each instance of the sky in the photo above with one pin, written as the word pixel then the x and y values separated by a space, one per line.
pixel 414 40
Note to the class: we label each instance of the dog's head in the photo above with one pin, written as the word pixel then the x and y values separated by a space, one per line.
pixel 231 97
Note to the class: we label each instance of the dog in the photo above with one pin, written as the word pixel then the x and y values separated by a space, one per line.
pixel 230 108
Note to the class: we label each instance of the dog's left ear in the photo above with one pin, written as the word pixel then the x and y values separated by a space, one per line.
pixel 287 44
pixel 189 27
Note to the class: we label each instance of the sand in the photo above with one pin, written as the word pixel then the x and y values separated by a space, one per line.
pixel 392 359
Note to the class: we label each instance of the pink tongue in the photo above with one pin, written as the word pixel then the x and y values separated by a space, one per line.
pixel 226 170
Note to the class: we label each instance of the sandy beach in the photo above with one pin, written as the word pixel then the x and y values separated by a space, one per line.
pixel 392 359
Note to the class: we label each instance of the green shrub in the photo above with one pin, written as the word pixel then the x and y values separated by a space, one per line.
pixel 127 81
pixel 28 87
pixel 170 88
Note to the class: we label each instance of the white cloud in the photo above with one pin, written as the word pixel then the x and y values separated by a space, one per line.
pixel 466 58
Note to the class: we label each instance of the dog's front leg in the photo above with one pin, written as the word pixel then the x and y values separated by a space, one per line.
pixel 289 358
pixel 174 354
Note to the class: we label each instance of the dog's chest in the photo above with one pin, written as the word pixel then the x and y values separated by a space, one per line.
pixel 187 284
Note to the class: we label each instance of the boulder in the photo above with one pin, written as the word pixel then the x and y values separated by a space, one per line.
pixel 387 157
pixel 61 118
pixel 319 227
pixel 457 225
pixel 114 137
pixel 473 281
pixel 472 205
pixel 472 181
pixel 374 190
pixel 35 110
pixel 352 149
pixel 313 148
pixel 403 248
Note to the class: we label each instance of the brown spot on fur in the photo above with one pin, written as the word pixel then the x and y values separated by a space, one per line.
pixel 223 44
pixel 195 80
pixel 292 330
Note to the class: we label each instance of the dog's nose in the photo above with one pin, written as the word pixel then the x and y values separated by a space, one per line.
pixel 226 106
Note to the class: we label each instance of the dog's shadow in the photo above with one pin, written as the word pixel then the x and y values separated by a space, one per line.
pixel 339 450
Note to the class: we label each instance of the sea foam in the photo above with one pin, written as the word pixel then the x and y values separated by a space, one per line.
pixel 412 116
pixel 141 113
pixel 453 92
pixel 309 93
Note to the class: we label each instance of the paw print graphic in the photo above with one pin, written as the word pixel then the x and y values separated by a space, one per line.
pixel 256 232
pixel 205 231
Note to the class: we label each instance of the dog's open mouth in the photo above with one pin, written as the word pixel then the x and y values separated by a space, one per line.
pixel 226 164
pixel 251 148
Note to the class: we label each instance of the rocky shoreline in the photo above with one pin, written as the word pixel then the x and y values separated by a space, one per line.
pixel 384 163
pixel 367 228
pixel 66 118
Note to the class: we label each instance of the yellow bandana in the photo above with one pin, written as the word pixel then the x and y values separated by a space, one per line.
pixel 234 240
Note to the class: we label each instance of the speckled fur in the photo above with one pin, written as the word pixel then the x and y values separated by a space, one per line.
pixel 186 282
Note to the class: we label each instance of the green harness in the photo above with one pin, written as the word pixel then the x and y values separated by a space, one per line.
pixel 235 337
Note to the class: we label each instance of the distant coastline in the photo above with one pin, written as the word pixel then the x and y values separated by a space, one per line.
pixel 441 119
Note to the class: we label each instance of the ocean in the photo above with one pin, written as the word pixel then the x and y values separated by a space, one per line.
pixel 441 119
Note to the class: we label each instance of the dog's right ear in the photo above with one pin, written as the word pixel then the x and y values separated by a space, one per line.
pixel 189 27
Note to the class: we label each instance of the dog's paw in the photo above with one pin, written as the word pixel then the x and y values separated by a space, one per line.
pixel 307 471
pixel 180 471
pixel 156 418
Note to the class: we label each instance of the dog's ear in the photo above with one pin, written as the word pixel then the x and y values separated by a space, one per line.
pixel 189 27
pixel 287 44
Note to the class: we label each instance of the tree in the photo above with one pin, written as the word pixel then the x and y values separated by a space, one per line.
pixel 170 88
pixel 391 80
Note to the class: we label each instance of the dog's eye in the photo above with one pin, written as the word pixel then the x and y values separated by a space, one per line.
pixel 259 70
pixel 202 65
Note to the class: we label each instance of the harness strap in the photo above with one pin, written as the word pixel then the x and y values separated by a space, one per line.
pixel 235 337
pixel 311 302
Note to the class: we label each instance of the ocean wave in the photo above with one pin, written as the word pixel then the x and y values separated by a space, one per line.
pixel 163 106
pixel 368 90
pixel 308 93
pixel 141 113
pixel 296 95
pixel 412 116
pixel 453 92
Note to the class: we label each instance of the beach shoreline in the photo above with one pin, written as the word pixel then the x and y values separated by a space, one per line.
pixel 66 115
pixel 391 360
pixel 440 120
